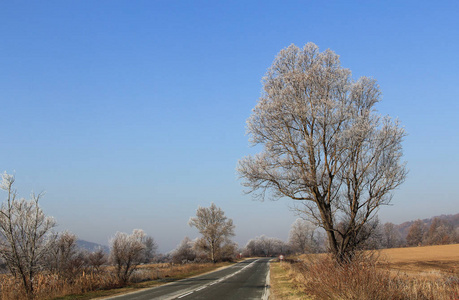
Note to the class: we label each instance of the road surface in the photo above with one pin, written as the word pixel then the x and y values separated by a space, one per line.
pixel 244 280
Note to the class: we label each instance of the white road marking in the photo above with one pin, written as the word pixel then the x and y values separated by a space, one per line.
pixel 184 295
pixel 217 281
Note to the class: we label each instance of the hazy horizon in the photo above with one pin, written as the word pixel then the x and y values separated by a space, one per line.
pixel 132 114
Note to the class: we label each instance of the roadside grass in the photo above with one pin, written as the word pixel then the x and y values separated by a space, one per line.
pixel 283 286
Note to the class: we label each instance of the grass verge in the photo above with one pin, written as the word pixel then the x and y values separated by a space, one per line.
pixel 283 286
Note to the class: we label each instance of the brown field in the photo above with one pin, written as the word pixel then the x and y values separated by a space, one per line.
pixel 442 259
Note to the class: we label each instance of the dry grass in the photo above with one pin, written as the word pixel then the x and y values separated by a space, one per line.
pixel 50 286
pixel 283 287
pixel 406 273
pixel 93 285
pixel 322 278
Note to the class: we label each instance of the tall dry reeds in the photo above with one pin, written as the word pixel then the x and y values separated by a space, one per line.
pixel 49 286
pixel 322 278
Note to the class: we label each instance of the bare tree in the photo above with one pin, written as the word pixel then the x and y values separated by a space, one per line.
pixel 303 237
pixel 184 252
pixel 455 235
pixel 127 252
pixel 370 236
pixel 266 246
pixel 228 251
pixel 150 249
pixel 415 236
pixel 96 259
pixel 323 144
pixel 440 232
pixel 64 257
pixel 24 232
pixel 391 236
pixel 215 228
pixel 252 248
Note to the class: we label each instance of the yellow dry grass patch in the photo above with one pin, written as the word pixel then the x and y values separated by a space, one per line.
pixel 282 284
pixel 442 259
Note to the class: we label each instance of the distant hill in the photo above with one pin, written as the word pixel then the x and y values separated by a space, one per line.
pixel 405 227
pixel 92 246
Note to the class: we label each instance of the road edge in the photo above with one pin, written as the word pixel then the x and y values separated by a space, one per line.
pixel 266 292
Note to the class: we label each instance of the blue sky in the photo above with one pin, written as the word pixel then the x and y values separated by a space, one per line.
pixel 130 114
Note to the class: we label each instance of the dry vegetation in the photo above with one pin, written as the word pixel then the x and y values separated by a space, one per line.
pixel 406 273
pixel 283 286
pixel 104 283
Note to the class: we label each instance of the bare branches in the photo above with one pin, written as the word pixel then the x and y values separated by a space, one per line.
pixel 266 246
pixel 322 142
pixel 303 237
pixel 24 230
pixel 215 227
pixel 127 252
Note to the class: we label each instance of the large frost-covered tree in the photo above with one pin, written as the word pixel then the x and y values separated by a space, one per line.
pixel 323 144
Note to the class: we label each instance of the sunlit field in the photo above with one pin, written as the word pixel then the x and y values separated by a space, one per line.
pixel 428 259
pixel 430 272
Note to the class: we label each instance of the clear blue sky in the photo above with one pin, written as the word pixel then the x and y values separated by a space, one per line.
pixel 130 114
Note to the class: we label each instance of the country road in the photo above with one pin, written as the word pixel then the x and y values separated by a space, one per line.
pixel 244 280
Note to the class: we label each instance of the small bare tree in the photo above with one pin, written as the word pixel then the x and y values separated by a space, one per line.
pixel 64 257
pixel 150 249
pixel 184 252
pixel 215 228
pixel 391 237
pixel 416 233
pixel 440 232
pixel 96 259
pixel 324 146
pixel 228 251
pixel 127 252
pixel 24 230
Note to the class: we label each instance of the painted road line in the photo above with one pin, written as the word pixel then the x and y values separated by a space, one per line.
pixel 184 295
pixel 217 281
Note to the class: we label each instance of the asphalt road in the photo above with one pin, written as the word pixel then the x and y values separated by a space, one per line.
pixel 244 280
